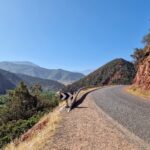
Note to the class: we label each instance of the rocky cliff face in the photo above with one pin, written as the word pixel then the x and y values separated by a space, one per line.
pixel 142 79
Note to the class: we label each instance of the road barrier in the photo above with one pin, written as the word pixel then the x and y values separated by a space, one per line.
pixel 75 98
pixel 70 98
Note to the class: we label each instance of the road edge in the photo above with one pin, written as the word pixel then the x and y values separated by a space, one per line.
pixel 125 131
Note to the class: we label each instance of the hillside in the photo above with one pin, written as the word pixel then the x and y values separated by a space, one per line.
pixel 31 69
pixel 5 84
pixel 10 80
pixel 7 81
pixel 45 83
pixel 118 71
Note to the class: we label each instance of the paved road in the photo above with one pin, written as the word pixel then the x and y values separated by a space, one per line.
pixel 130 111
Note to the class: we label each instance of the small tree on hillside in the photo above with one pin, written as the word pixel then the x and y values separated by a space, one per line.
pixel 22 104
pixel 36 90
pixel 138 56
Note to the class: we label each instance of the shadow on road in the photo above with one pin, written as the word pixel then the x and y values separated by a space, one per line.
pixel 81 107
pixel 79 101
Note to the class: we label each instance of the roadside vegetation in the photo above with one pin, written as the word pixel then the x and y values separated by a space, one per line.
pixel 140 54
pixel 22 108
pixel 139 92
pixel 36 137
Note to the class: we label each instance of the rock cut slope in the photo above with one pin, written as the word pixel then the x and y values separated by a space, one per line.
pixel 142 79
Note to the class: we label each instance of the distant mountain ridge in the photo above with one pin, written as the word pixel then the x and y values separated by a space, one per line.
pixel 10 80
pixel 118 71
pixel 23 63
pixel 28 68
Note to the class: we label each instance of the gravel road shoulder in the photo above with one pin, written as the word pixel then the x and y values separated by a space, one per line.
pixel 87 128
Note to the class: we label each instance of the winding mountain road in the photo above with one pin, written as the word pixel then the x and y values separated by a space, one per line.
pixel 130 111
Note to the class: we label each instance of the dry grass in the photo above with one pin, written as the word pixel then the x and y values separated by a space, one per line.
pixel 36 137
pixel 138 92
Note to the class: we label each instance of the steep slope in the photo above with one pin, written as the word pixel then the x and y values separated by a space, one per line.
pixel 5 84
pixel 7 81
pixel 118 71
pixel 36 71
pixel 142 79
pixel 45 83
pixel 10 80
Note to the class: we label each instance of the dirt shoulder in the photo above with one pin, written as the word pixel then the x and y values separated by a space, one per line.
pixel 138 92
pixel 87 128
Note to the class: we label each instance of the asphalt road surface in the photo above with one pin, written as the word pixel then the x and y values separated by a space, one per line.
pixel 130 111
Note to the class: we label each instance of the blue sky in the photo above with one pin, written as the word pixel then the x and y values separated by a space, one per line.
pixel 71 34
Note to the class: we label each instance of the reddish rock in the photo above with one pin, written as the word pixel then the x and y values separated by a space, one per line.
pixel 36 128
pixel 142 79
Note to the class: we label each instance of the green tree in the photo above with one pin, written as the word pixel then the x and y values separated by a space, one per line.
pixel 36 90
pixel 22 103
pixel 138 56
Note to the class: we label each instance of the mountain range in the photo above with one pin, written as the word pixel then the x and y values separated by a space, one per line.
pixel 30 69
pixel 10 80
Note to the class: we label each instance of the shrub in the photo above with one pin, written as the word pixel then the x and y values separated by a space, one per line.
pixel 4 99
pixel 13 129
pixel 47 101
pixel 22 110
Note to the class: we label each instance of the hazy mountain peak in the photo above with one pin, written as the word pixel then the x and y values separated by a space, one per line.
pixel 28 63
pixel 28 68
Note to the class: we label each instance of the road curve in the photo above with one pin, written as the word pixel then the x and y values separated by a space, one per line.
pixel 130 111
